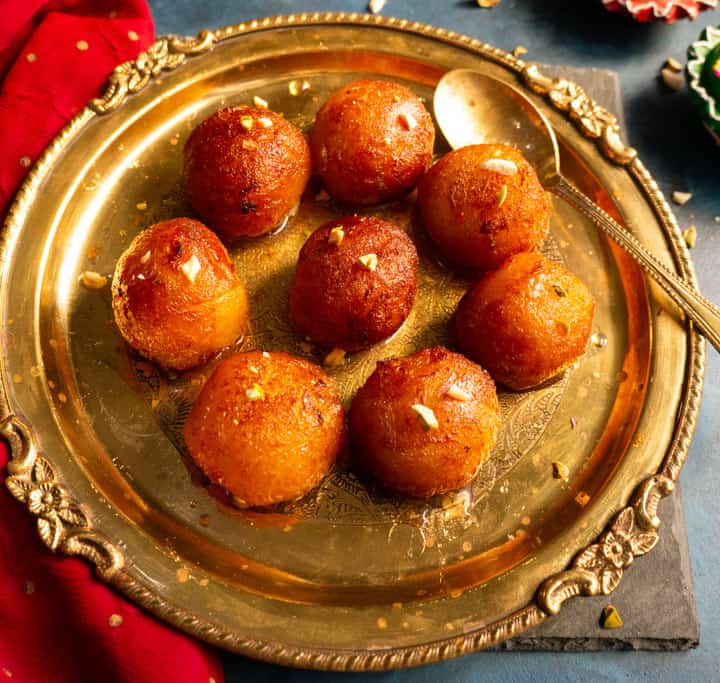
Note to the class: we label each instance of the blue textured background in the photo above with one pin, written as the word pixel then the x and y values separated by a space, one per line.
pixel 681 155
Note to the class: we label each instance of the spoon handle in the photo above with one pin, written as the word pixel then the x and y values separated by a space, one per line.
pixel 702 312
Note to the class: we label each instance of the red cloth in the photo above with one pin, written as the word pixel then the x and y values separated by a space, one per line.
pixel 57 621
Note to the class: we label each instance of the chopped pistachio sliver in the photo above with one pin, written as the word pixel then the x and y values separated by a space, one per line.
pixel 502 166
pixel 191 268
pixel 408 121
pixel 255 393
pixel 368 261
pixel 458 393
pixel 502 195
pixel 681 197
pixel 335 358
pixel 260 102
pixel 560 470
pixel 246 122
pixel 673 64
pixel 265 122
pixel 92 280
pixel 336 236
pixel 611 618
pixel 425 416
pixel 690 236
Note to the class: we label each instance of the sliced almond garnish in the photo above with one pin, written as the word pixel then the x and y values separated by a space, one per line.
pixel 425 416
pixel 191 268
pixel 502 166
pixel 458 393
pixel 368 261
pixel 408 121
pixel 336 236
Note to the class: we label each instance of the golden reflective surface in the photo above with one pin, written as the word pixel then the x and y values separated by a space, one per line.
pixel 348 567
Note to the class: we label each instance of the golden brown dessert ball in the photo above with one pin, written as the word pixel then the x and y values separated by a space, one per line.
pixel 354 284
pixel 371 142
pixel 266 426
pixel 175 294
pixel 526 321
pixel 245 170
pixel 483 203
pixel 424 424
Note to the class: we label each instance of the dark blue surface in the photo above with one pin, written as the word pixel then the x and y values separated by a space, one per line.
pixel 682 156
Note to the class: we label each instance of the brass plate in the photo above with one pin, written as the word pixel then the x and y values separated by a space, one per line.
pixel 347 578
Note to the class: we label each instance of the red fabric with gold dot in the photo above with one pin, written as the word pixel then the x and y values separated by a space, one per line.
pixel 58 623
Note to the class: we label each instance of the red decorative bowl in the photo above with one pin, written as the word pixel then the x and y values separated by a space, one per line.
pixel 660 10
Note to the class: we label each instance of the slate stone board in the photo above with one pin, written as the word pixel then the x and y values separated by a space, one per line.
pixel 655 597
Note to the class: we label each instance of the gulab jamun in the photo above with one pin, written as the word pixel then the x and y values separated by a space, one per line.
pixel 267 427
pixel 175 294
pixel 526 321
pixel 423 424
pixel 245 170
pixel 354 284
pixel 371 142
pixel 483 203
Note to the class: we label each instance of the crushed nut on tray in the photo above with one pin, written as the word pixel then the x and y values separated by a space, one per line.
pixel 92 280
pixel 560 470
pixel 335 358
pixel 681 198
pixel 690 236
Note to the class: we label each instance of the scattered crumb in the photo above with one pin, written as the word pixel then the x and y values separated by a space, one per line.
pixel 525 520
pixel 28 588
pixel 582 499
pixel 456 593
pixel 573 422
pixel 560 470
pixel 260 102
pixel 690 236
pixel 25 161
pixel 204 582
pixel 322 196
pixel 674 80
pixel 488 4
pixel 467 546
pixel 141 206
pixel 519 51
pixel 82 45
pixel 92 280
pixel 115 620
pixel 611 618
pixel 382 622
pixel 183 575
pixel 62 397
pixel 681 197
pixel 335 358
pixel 17 378
pixel 397 605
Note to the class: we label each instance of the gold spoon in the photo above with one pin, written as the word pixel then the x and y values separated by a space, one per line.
pixel 468 104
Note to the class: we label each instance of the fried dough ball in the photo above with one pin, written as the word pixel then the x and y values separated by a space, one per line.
pixel 245 170
pixel 483 203
pixel 175 294
pixel 266 426
pixel 371 142
pixel 354 284
pixel 424 424
pixel 526 321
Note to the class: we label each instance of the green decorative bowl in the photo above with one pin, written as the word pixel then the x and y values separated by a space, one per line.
pixel 703 77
